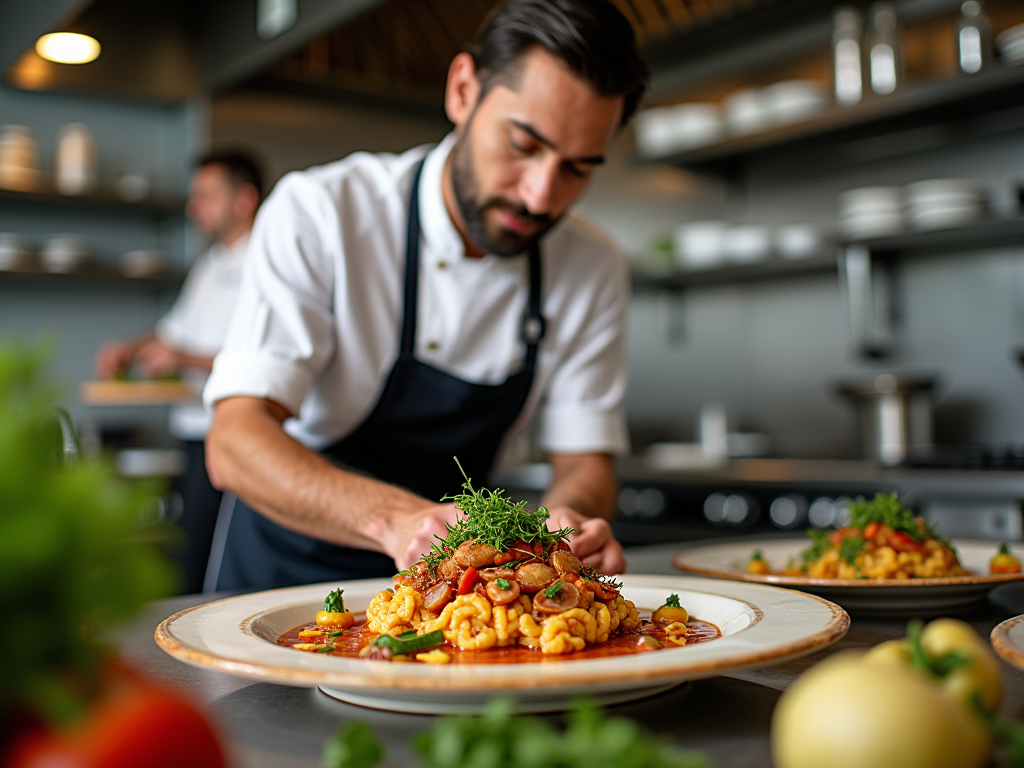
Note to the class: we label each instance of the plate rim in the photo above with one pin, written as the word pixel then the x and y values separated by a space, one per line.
pixel 831 631
pixel 806 581
pixel 1011 653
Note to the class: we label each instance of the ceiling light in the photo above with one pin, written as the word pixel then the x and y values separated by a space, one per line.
pixel 68 48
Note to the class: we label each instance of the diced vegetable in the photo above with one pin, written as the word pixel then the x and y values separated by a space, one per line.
pixel 757 564
pixel 467 581
pixel 435 656
pixel 408 645
pixel 1004 561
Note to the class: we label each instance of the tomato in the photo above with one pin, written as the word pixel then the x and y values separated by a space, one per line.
pixel 846 713
pixel 1004 561
pixel 339 619
pixel 902 542
pixel 467 581
pixel 137 726
pixel 871 530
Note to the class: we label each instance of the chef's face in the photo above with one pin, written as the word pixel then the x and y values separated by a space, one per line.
pixel 525 150
pixel 216 205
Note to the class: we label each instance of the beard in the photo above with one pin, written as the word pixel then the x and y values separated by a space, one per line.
pixel 473 207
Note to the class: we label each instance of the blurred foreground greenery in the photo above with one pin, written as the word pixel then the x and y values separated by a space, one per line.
pixel 75 554
pixel 501 739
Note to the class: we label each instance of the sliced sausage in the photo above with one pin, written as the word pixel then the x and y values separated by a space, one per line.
pixel 449 570
pixel 500 596
pixel 566 597
pixel 565 562
pixel 490 574
pixel 475 554
pixel 533 577
pixel 438 596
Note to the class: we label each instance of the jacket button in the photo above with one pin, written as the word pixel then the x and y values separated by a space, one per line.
pixel 433 345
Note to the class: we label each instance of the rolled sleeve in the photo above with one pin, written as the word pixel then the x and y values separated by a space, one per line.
pixel 583 428
pixel 255 374
pixel 282 332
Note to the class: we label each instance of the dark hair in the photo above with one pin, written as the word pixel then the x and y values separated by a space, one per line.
pixel 592 38
pixel 240 168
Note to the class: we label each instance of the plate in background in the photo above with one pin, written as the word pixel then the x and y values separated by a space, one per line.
pixel 1008 640
pixel 893 597
pixel 761 625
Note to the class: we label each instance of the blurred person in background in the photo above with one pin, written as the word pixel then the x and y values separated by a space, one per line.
pixel 223 197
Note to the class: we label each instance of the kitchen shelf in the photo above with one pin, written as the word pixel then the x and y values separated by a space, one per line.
pixel 990 233
pixel 155 206
pixel 769 269
pixel 966 105
pixel 93 277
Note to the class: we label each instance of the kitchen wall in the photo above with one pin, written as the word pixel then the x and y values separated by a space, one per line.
pixel 79 315
pixel 771 351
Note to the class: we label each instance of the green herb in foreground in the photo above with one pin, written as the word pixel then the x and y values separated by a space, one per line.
pixel 503 584
pixel 672 601
pixel 72 540
pixel 408 643
pixel 492 518
pixel 353 746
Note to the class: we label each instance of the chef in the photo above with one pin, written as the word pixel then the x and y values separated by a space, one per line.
pixel 401 310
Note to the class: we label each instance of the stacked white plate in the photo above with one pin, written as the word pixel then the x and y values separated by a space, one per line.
pixel 1011 45
pixel 15 252
pixel 940 203
pixel 791 101
pixel 63 253
pixel 664 130
pixel 699 244
pixel 871 212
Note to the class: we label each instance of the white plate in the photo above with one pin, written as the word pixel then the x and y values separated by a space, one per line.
pixel 906 597
pixel 760 625
pixel 1008 640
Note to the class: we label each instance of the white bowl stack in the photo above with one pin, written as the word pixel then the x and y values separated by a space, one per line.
pixel 871 212
pixel 940 203
pixel 15 252
pixel 1011 45
pixel 63 253
pixel 664 130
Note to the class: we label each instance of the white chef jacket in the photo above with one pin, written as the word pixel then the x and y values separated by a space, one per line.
pixel 198 322
pixel 316 327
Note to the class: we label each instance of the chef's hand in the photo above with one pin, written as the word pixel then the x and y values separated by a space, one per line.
pixel 154 358
pixel 113 358
pixel 594 543
pixel 422 529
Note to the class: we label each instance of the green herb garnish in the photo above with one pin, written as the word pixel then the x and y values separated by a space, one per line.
pixel 325 649
pixel 673 601
pixel 851 547
pixel 554 590
pixel 493 518
pixel 334 602
pixel 887 509
pixel 336 633
pixel 820 545
pixel 503 584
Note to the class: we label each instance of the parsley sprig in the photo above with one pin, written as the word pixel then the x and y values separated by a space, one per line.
pixel 335 602
pixel 493 518
pixel 886 508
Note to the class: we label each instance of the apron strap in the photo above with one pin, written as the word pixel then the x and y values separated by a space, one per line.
pixel 534 326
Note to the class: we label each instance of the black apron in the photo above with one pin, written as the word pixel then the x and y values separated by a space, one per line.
pixel 423 418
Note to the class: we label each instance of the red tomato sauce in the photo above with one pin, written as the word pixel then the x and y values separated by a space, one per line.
pixel 619 644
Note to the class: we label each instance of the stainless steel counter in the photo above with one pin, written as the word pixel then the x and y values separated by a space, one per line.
pixel 728 718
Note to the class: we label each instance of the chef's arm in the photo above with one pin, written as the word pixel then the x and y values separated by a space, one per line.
pixel 249 453
pixel 583 495
pixel 584 481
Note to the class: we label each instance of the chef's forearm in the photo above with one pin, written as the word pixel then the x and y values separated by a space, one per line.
pixel 250 454
pixel 585 482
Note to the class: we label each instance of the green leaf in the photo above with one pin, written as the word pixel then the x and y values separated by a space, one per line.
pixel 334 602
pixel 673 601
pixel 353 746
pixel 554 590
pixel 503 584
